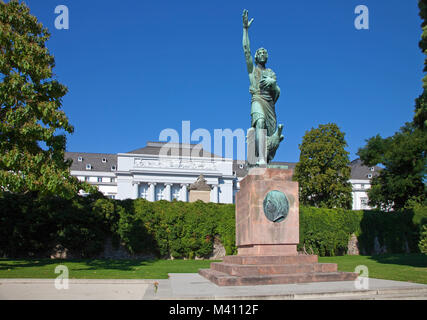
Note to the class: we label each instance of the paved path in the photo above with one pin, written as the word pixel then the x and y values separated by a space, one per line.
pixel 192 286
pixel 44 289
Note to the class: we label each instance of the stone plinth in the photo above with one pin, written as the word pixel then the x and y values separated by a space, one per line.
pixel 265 270
pixel 267 235
pixel 255 234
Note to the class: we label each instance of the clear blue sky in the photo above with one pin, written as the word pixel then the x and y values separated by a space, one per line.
pixel 134 68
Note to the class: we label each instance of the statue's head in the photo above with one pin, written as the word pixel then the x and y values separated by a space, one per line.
pixel 261 56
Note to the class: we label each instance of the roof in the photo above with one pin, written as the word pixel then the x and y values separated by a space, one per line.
pixel 94 159
pixel 362 172
pixel 182 149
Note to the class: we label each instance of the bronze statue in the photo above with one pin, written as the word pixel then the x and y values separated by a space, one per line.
pixel 265 93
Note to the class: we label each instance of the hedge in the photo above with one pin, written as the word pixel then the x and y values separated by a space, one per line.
pixel 35 226
pixel 326 232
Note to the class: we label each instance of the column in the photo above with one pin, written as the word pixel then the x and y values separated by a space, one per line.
pixel 151 191
pixel 135 187
pixel 184 192
pixel 167 191
pixel 215 193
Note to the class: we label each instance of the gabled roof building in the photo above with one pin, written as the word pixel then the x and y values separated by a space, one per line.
pixel 164 171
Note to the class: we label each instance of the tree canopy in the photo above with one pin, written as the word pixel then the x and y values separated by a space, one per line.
pixel 31 149
pixel 323 169
pixel 403 158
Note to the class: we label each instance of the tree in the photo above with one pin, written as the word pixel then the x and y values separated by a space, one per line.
pixel 403 155
pixel 323 169
pixel 31 150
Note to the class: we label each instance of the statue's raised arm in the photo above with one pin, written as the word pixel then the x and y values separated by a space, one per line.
pixel 246 44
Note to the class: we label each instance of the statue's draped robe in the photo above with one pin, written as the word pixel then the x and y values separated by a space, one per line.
pixel 266 99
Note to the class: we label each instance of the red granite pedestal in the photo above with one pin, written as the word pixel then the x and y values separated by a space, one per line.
pixel 267 250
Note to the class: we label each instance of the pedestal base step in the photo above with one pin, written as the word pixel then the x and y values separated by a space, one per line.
pixel 224 279
pixel 263 260
pixel 269 269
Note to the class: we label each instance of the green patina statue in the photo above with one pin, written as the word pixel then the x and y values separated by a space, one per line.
pixel 265 93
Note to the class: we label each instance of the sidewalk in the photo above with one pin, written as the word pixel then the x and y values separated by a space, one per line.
pixel 192 286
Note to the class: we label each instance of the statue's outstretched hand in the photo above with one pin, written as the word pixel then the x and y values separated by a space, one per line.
pixel 246 22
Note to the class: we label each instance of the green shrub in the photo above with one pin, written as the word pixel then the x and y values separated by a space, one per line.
pixel 326 232
pixel 31 225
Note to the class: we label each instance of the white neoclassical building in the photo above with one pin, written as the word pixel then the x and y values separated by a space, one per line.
pixel 158 171
pixel 161 171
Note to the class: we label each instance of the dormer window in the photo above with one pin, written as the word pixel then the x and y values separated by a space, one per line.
pixel 241 166
pixel 369 176
pixel 372 169
pixel 104 160
pixel 79 159
pixel 113 168
pixel 88 166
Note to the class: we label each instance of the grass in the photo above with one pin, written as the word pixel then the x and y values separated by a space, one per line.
pixel 400 267
pixel 99 268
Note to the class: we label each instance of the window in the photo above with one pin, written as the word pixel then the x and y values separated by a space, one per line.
pixel 175 192
pixel 99 179
pixel 104 160
pixel 160 192
pixel 144 191
pixel 88 166
pixel 79 159
pixel 370 176
pixel 86 178
pixel 372 169
pixel 364 203
pixel 241 166
pixel 112 179
pixel 113 168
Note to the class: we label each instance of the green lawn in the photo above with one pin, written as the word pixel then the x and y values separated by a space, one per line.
pixel 401 267
pixel 99 268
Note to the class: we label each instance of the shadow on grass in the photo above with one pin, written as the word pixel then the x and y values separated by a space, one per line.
pixel 123 265
pixel 6 264
pixel 413 260
pixel 81 264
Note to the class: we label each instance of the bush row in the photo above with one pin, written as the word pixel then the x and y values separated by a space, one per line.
pixel 35 226
pixel 326 232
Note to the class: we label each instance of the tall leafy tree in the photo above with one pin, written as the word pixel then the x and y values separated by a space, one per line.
pixel 323 169
pixel 402 155
pixel 31 149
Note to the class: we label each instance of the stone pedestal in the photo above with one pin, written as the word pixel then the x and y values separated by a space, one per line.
pixel 255 233
pixel 267 235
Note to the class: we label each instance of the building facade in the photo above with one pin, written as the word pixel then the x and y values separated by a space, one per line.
pixel 164 171
pixel 360 180
pixel 158 171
